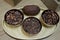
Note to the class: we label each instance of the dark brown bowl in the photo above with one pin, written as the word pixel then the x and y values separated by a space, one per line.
pixel 32 25
pixel 50 17
pixel 14 17
pixel 31 10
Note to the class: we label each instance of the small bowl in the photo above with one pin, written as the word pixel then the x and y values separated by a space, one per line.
pixel 14 17
pixel 49 18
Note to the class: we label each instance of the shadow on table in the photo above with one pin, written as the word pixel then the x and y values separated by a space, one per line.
pixel 25 39
pixel 38 39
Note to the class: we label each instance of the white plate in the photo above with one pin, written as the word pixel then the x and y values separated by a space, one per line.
pixel 17 32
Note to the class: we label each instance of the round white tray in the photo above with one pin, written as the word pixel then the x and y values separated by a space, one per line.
pixel 17 32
